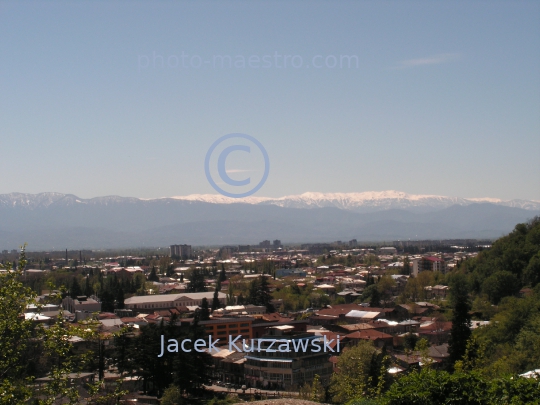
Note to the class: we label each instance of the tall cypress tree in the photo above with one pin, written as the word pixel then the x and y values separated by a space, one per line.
pixel 205 311
pixel 120 298
pixel 88 290
pixel 406 267
pixel 461 319
pixel 215 301
pixel 153 275
pixel 222 274
pixel 196 281
pixel 75 288
pixel 263 294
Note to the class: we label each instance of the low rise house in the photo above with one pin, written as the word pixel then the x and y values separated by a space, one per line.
pixel 290 272
pixel 82 307
pixel 362 316
pixel 379 339
pixel 407 326
pixel 436 332
pixel 436 291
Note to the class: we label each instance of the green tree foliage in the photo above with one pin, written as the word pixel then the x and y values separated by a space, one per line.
pixel 137 356
pixel 406 270
pixel 28 350
pixel 173 396
pixel 499 285
pixel 372 260
pixel 259 293
pixel 531 274
pixel 215 299
pixel 409 341
pixel 205 311
pixel 196 281
pixel 153 275
pixel 361 372
pixel 517 253
pixel 512 340
pixel 384 286
pixel 15 334
pixel 314 392
pixel 75 289
pixel 222 274
pixel 461 320
pixel 427 387
pixel 88 289
pixel 474 357
pixel 372 295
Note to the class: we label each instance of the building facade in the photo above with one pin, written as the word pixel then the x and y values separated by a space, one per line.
pixel 151 303
pixel 222 328
pixel 181 251
pixel 82 304
pixel 289 369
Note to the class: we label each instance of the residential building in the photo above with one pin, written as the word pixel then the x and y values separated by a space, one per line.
pixel 223 328
pixel 379 339
pixel 241 310
pixel 290 272
pixel 124 272
pixel 388 250
pixel 428 263
pixel 156 302
pixel 81 304
pixel 228 366
pixel 264 244
pixel 180 251
pixel 289 369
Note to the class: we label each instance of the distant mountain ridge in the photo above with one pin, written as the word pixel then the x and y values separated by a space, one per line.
pixel 55 220
pixel 366 201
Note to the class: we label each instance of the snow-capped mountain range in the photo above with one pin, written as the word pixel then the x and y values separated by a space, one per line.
pixel 55 220
pixel 368 201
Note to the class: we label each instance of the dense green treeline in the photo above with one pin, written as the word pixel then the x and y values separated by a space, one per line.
pixel 512 263
pixel 512 340
pixel 29 350
pixel 486 362
pixel 139 356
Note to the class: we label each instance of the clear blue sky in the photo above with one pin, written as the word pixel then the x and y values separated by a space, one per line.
pixel 445 98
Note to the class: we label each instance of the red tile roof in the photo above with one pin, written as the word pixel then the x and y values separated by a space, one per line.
pixel 368 334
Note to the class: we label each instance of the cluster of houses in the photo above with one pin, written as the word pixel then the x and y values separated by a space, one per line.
pixel 336 326
pixel 341 325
